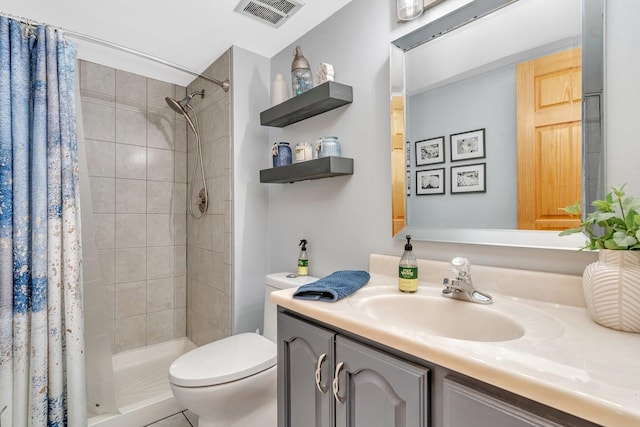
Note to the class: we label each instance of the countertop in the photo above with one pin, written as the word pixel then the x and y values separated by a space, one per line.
pixel 563 360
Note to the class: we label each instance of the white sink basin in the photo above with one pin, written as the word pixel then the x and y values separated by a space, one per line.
pixel 440 316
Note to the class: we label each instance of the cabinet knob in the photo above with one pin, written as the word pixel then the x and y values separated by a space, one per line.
pixel 322 388
pixel 336 384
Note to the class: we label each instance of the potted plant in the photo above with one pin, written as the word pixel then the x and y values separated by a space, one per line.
pixel 612 284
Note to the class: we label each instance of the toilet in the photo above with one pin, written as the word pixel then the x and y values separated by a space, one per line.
pixel 232 382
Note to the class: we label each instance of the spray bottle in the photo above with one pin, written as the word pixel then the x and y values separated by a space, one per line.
pixel 408 269
pixel 303 260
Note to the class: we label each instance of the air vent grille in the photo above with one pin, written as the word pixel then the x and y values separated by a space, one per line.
pixel 272 12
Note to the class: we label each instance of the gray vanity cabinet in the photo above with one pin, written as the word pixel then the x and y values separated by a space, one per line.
pixel 353 385
pixel 468 406
pixel 374 389
pixel 331 378
pixel 305 355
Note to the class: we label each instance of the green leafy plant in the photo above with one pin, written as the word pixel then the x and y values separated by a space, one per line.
pixel 617 219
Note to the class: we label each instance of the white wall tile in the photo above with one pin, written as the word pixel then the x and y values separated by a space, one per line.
pixel 180 134
pixel 130 298
pixel 159 197
pixel 131 265
pixel 107 259
pixel 180 322
pixel 180 298
pixel 160 294
pixel 131 196
pixel 180 160
pixel 180 205
pixel 131 127
pixel 160 133
pixel 160 165
pixel 103 194
pixel 131 231
pixel 160 230
pixel 131 86
pixel 160 260
pixel 160 326
pixel 131 161
pixel 99 121
pixel 157 91
pixel 131 332
pixel 97 78
pixel 101 158
pixel 133 137
pixel 104 228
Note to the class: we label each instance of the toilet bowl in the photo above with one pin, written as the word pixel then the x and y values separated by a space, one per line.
pixel 232 382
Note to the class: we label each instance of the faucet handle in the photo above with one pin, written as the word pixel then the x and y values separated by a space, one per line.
pixel 460 267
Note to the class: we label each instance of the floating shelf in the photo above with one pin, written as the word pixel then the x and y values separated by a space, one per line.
pixel 315 101
pixel 310 169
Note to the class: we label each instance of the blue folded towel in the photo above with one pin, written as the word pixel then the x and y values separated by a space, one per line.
pixel 333 287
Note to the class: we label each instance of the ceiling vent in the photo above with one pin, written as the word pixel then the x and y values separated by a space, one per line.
pixel 270 12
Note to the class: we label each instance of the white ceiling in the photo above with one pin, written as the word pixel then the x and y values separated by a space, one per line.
pixel 190 33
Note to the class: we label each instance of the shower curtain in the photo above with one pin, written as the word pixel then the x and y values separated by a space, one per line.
pixel 42 378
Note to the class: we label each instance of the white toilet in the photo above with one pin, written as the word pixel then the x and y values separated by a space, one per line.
pixel 232 382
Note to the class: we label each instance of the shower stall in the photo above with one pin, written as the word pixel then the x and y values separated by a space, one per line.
pixel 157 268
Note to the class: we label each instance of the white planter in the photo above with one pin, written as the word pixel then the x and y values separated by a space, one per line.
pixel 612 289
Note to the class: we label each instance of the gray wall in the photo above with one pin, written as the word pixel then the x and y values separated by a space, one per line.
pixel 250 95
pixel 485 101
pixel 347 218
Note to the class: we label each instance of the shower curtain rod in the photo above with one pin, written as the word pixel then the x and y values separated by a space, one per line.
pixel 224 84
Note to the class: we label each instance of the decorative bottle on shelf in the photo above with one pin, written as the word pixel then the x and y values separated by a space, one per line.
pixel 281 154
pixel 303 259
pixel 279 92
pixel 408 269
pixel 301 78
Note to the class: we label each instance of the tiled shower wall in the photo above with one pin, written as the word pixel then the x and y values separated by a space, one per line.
pixel 209 238
pixel 137 164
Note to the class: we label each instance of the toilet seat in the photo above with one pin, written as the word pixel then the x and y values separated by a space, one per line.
pixel 229 359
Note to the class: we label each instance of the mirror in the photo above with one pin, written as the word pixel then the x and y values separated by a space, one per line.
pixel 471 161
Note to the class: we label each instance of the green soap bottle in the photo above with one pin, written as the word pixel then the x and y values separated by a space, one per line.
pixel 303 260
pixel 408 269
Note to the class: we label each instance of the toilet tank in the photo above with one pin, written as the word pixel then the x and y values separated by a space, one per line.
pixel 276 282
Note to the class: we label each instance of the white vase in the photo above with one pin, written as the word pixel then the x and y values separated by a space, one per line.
pixel 612 289
pixel 279 91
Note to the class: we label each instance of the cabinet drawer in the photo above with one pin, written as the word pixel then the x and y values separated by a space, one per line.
pixel 465 406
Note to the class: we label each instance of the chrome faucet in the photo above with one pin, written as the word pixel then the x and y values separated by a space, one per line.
pixel 461 287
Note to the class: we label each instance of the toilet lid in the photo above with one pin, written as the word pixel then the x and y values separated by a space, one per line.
pixel 222 361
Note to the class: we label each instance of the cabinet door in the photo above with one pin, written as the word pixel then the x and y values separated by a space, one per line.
pixel 304 349
pixel 375 389
pixel 465 406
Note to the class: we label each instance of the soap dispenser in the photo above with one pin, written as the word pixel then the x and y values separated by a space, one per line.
pixel 303 260
pixel 408 269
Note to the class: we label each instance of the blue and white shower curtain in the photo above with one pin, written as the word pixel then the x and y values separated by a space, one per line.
pixel 42 377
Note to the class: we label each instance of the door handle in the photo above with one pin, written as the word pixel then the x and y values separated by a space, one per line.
pixel 322 388
pixel 336 384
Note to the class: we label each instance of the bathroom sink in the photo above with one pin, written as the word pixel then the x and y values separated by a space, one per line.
pixel 436 315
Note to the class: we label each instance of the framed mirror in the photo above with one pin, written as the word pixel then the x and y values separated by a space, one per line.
pixel 496 122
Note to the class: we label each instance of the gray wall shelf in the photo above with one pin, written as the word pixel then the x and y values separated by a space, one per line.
pixel 318 100
pixel 311 169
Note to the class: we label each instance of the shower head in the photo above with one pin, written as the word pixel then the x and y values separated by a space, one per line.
pixel 180 107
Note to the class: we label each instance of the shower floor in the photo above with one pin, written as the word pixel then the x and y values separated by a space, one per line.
pixel 141 379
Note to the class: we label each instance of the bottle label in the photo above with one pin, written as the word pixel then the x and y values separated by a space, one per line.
pixel 408 272
pixel 303 267
pixel 408 279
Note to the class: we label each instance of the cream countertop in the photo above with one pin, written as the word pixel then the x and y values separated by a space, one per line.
pixel 563 360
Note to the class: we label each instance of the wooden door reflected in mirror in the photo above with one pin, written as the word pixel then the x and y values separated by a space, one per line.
pixel 549 126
